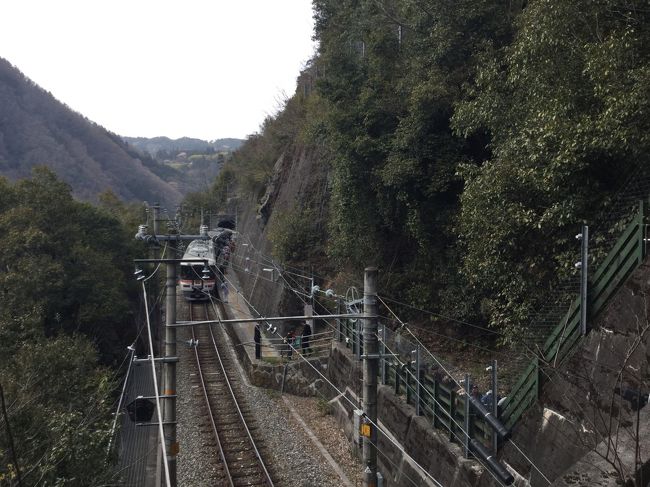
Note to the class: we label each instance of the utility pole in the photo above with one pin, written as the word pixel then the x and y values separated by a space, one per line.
pixel 169 368
pixel 370 364
pixel 155 254
pixel 169 363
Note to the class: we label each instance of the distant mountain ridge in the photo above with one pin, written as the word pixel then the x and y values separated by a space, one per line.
pixel 36 129
pixel 155 145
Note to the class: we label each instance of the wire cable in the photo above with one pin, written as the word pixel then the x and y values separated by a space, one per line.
pixel 454 379
pixel 119 404
pixel 356 406
pixel 156 392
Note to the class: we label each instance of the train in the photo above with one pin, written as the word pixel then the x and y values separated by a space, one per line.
pixel 197 281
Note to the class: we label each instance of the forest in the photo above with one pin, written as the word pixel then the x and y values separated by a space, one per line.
pixel 36 129
pixel 69 307
pixel 466 143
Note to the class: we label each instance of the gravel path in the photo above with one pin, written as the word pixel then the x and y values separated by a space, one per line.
pixel 293 458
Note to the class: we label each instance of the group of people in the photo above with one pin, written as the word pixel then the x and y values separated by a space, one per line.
pixel 296 342
pixel 290 342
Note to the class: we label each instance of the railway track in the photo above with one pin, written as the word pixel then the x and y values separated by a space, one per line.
pixel 233 425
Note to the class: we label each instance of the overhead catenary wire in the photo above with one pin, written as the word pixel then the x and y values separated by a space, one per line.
pixel 413 482
pixel 300 294
pixel 377 426
pixel 119 404
pixel 418 382
pixel 342 395
pixel 435 359
pixel 440 407
pixel 451 319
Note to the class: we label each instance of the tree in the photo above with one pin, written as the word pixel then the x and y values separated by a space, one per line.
pixel 563 105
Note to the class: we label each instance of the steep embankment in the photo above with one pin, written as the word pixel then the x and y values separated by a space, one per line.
pixel 36 129
pixel 299 179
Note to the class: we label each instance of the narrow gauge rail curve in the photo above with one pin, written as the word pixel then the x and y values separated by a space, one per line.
pixel 241 460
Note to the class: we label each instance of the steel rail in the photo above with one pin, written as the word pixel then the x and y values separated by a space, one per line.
pixel 227 382
pixel 241 415
pixel 222 455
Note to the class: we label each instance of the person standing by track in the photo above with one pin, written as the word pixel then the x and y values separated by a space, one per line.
pixel 306 337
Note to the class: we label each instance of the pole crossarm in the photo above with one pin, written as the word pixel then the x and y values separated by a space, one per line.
pixel 156 359
pixel 181 237
pixel 179 324
pixel 169 261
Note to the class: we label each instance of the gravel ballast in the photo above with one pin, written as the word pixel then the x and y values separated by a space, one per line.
pixel 293 458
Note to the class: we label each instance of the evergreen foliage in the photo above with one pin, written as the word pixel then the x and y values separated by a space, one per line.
pixel 466 141
pixel 65 270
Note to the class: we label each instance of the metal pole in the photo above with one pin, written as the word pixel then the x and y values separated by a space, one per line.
pixel 170 373
pixel 339 334
pixel 583 279
pixel 466 435
pixel 383 354
pixel 370 374
pixel 495 407
pixel 417 382
pixel 155 310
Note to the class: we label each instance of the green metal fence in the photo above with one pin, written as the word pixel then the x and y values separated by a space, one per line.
pixel 439 401
pixel 626 255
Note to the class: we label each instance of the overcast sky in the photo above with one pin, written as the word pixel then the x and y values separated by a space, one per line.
pixel 198 68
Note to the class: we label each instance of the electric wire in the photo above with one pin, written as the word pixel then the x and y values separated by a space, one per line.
pixel 162 256
pixel 454 379
pixel 156 392
pixel 300 294
pixel 424 388
pixel 448 318
pixel 413 482
pixel 356 406
pixel 119 404
pixel 270 260
pixel 449 415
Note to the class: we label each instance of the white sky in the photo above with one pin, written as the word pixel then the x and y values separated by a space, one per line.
pixel 199 68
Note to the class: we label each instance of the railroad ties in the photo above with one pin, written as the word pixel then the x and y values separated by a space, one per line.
pixel 232 423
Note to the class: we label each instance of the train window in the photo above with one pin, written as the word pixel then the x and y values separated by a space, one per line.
pixel 189 272
pixel 194 273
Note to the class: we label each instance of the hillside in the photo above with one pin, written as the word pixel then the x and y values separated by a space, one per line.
pixel 463 151
pixel 156 145
pixel 36 129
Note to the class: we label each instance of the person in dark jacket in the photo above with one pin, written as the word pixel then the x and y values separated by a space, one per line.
pixel 258 342
pixel 306 336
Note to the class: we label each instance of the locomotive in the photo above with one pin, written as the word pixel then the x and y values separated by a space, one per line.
pixel 198 281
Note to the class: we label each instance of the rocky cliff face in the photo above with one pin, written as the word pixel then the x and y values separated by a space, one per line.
pixel 299 176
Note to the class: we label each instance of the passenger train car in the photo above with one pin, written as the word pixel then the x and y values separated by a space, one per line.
pixel 198 282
